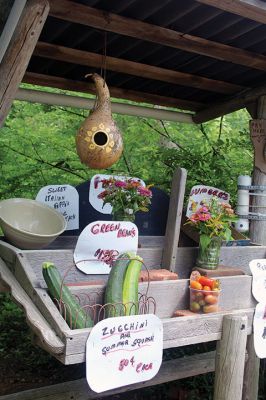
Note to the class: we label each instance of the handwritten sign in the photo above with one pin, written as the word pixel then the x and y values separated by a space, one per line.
pixel 201 193
pixel 100 243
pixel 64 199
pixel 258 270
pixel 258 137
pixel 96 188
pixel 259 324
pixel 123 350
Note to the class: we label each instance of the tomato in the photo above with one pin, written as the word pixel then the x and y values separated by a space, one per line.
pixel 207 288
pixel 204 281
pixel 210 308
pixel 199 296
pixel 211 299
pixel 194 307
pixel 195 285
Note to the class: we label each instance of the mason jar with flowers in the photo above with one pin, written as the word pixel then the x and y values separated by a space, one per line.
pixel 213 220
pixel 126 197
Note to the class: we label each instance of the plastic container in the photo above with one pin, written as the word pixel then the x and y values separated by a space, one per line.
pixel 204 301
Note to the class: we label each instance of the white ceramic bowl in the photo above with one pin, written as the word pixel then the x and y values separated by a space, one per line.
pixel 29 224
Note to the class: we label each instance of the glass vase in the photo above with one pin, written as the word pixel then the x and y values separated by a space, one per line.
pixel 123 216
pixel 209 255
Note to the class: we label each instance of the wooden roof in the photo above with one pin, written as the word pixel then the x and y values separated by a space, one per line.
pixel 205 56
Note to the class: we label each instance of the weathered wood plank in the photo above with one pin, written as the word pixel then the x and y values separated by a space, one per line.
pixel 252 372
pixel 35 320
pixel 251 9
pixel 65 54
pixel 133 95
pixel 21 46
pixel 174 218
pixel 230 359
pixel 180 331
pixel 258 203
pixel 79 390
pixel 78 13
pixel 233 104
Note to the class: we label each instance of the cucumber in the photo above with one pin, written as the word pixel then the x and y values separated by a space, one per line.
pixel 114 286
pixel 75 315
pixel 131 286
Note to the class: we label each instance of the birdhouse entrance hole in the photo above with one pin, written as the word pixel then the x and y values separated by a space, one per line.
pixel 100 138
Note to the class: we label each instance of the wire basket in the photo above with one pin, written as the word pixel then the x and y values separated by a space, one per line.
pixel 92 307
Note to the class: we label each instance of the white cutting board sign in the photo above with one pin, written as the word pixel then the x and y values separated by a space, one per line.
pixel 101 242
pixel 64 199
pixel 124 350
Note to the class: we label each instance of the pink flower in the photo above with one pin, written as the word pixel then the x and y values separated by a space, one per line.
pixel 120 184
pixel 144 192
pixel 204 217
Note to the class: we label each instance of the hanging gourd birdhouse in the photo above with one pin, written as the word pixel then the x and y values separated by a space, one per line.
pixel 99 141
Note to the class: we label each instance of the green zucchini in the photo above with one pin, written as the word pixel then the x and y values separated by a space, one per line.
pixel 75 315
pixel 114 286
pixel 131 286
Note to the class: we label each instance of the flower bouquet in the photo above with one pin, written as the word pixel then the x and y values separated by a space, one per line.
pixel 126 197
pixel 213 221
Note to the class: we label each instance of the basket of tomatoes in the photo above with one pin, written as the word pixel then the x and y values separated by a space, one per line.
pixel 204 293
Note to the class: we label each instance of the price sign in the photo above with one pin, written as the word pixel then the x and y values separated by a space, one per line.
pixel 123 350
pixel 64 199
pixel 101 242
pixel 259 324
pixel 258 270
pixel 96 188
pixel 201 193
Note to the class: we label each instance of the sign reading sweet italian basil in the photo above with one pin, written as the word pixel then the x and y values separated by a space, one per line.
pixel 101 242
pixel 123 350
pixel 64 199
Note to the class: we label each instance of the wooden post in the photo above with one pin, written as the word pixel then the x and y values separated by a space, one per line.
pixel 20 49
pixel 258 136
pixel 252 370
pixel 230 359
pixel 174 219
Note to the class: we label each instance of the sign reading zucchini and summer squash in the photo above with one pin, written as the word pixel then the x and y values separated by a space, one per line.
pixel 123 350
pixel 64 199
pixel 101 242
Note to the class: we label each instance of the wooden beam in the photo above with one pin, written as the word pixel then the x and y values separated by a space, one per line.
pixel 86 87
pixel 233 104
pixel 170 370
pixel 251 9
pixel 19 51
pixel 81 14
pixel 65 54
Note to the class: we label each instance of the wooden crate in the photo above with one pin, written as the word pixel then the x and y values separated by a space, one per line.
pixel 21 272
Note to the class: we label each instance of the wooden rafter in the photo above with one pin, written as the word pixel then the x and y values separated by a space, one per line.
pixel 233 104
pixel 61 53
pixel 81 14
pixel 78 86
pixel 251 9
pixel 19 51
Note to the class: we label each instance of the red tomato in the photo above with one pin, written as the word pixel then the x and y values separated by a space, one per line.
pixel 206 281
pixel 207 288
